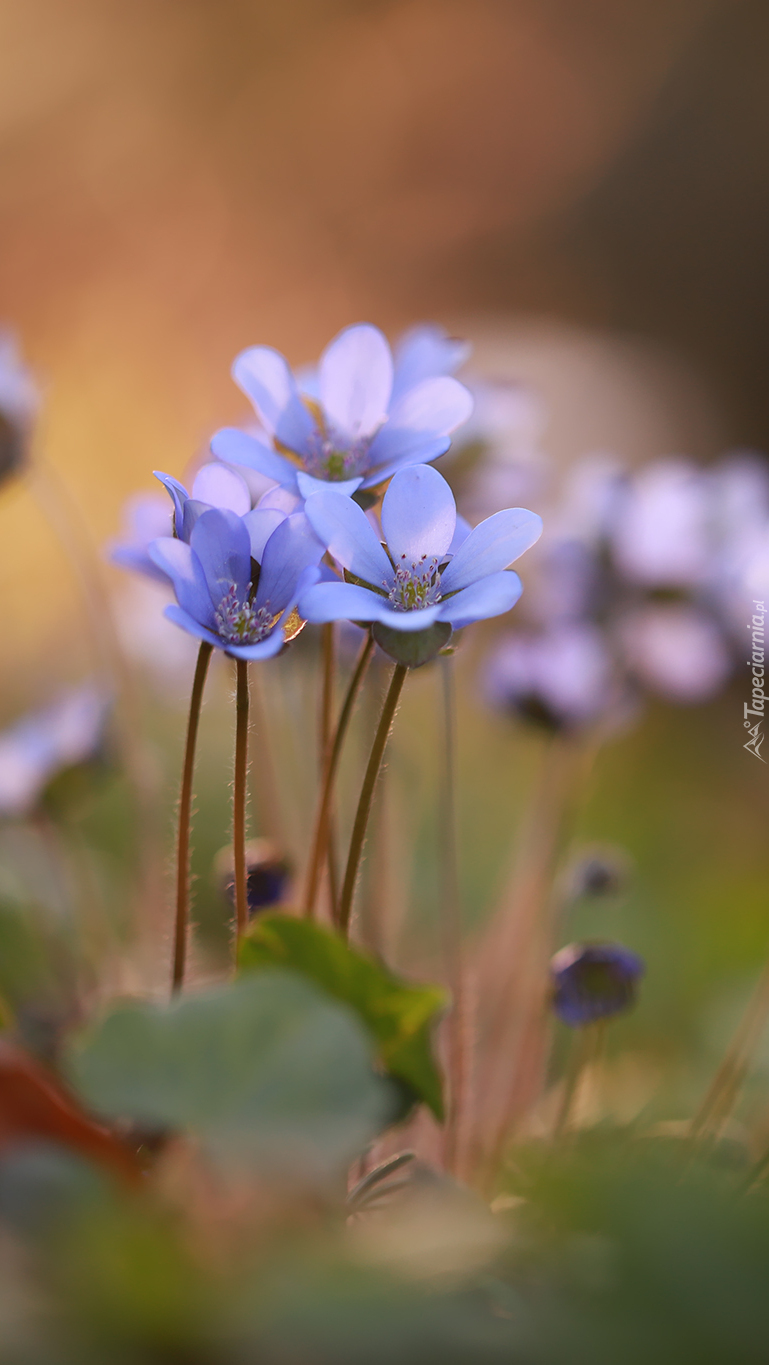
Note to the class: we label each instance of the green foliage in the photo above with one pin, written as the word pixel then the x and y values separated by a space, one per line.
pixel 268 1065
pixel 398 1014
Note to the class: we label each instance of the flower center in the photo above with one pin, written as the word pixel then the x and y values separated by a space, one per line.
pixel 325 459
pixel 416 584
pixel 239 623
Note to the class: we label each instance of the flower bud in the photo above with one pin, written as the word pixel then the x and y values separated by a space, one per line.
pixel 268 872
pixel 598 872
pixel 593 981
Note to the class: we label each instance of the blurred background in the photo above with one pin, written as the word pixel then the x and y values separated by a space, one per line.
pixel 578 186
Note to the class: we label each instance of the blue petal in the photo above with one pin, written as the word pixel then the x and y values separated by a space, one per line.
pixel 494 544
pixel 349 602
pixel 421 452
pixel 419 514
pixel 308 485
pixel 296 426
pixel 222 544
pixel 355 380
pixel 292 548
pixel 433 408
pixel 178 494
pixel 463 529
pixel 260 525
pixel 193 510
pixel 264 649
pixel 176 559
pixel 138 561
pixel 281 499
pixel 222 487
pixel 264 376
pixel 182 618
pixel 346 531
pixel 237 447
pixel 423 352
pixel 490 596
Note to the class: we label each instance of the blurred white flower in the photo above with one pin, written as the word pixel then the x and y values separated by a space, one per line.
pixel 46 742
pixel 676 650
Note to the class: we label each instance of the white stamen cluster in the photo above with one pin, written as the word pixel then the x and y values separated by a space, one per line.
pixel 239 623
pixel 416 585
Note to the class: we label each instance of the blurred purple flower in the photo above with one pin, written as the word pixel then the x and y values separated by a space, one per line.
pixel 44 743
pixel 563 677
pixel 19 403
pixel 364 416
pixel 593 981
pixel 218 599
pixel 424 573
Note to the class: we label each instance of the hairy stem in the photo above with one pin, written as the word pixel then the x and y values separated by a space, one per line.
pixel 451 923
pixel 185 811
pixel 326 740
pixel 239 801
pixel 365 801
pixel 320 830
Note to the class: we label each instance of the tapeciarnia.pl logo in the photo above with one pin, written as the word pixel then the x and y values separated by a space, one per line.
pixel 755 707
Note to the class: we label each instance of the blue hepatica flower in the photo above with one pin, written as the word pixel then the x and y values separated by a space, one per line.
pixel 219 598
pixel 424 573
pixel 364 415
pixel 593 981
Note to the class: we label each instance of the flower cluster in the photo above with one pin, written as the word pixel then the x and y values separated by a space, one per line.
pixel 640 587
pixel 246 576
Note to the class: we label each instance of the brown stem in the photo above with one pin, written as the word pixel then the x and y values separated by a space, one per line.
pixel 320 830
pixel 326 740
pixel 459 1028
pixel 366 798
pixel 722 1093
pixel 239 801
pixel 185 811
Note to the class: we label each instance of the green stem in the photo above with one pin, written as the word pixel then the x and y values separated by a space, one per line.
pixel 239 802
pixel 365 801
pixel 586 1049
pixel 185 811
pixel 320 830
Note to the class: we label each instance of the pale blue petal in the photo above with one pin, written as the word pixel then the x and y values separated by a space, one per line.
pixel 182 618
pixel 347 533
pixel 463 529
pixel 222 544
pixel 192 511
pixel 237 447
pixel 419 451
pixel 308 485
pixel 490 596
pixel 281 499
pixel 418 514
pixel 264 649
pixel 355 380
pixel 265 377
pixel 423 352
pixel 494 544
pixel 176 559
pixel 296 426
pixel 136 560
pixel 222 487
pixel 178 494
pixel 431 409
pixel 260 525
pixel 292 548
pixel 349 602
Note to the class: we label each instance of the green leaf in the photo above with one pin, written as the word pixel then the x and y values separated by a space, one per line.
pixel 268 1064
pixel 399 1015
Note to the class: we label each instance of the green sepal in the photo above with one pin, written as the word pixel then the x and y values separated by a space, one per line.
pixel 398 1014
pixel 412 648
